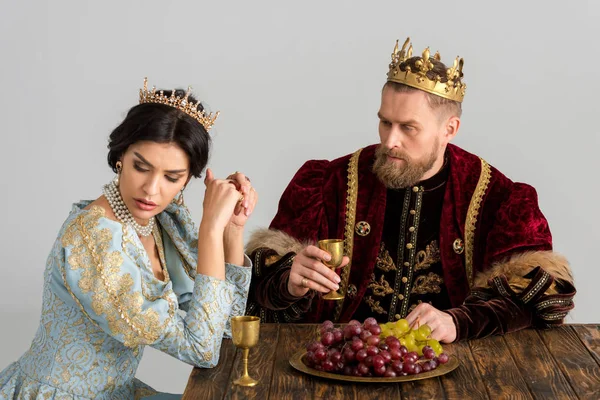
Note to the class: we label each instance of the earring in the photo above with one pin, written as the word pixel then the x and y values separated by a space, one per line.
pixel 180 201
pixel 119 167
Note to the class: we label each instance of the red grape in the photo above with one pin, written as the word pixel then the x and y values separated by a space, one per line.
pixel 429 354
pixel 392 342
pixel 409 368
pixel 369 322
pixel 373 340
pixel 372 351
pixel 361 355
pixel 397 365
pixel 349 355
pixel 418 369
pixel 390 373
pixel 357 344
pixel 337 336
pixel 387 357
pixel 395 354
pixel 327 339
pixel 378 361
pixel 335 356
pixel 403 350
pixel 443 358
pixel 363 369
pixel 375 329
pixel 320 354
pixel 364 335
pixel 354 322
pixel 349 331
pixel 369 361
pixel 327 366
pixel 412 356
pixel 327 324
pixel 426 367
pixel 312 346
pixel 310 358
pixel 383 346
pixel 434 364
pixel 379 371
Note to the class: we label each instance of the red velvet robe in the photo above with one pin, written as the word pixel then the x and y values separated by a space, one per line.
pixel 505 221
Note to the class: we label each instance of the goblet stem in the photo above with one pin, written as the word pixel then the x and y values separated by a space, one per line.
pixel 245 361
pixel 245 379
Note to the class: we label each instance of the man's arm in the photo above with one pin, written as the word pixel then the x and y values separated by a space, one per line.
pixel 525 284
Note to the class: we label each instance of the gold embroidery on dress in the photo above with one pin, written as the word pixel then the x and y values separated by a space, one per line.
pixel 381 287
pixel 429 283
pixel 374 305
pixel 426 258
pixel 112 293
pixel 384 261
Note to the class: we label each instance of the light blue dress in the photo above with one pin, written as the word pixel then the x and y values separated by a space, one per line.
pixel 102 304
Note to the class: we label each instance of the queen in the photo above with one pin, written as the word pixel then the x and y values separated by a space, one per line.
pixel 124 263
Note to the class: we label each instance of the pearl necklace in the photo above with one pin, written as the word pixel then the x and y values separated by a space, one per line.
pixel 111 192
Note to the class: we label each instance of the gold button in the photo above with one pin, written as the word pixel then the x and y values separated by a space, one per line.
pixel 407 264
pixel 411 229
pixel 412 212
pixel 409 246
pixel 404 279
pixel 401 296
pixel 397 316
pixel 415 189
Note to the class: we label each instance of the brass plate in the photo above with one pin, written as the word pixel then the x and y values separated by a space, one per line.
pixel 442 369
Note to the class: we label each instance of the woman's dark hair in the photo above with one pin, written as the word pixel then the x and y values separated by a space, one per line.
pixel 161 123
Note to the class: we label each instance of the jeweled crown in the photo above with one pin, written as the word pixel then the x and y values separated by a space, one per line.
pixel 194 110
pixel 452 89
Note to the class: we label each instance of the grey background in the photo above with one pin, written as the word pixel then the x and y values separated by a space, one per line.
pixel 294 81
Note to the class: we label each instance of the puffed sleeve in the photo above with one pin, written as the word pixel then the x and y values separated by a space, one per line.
pixel 526 284
pixel 300 220
pixel 109 288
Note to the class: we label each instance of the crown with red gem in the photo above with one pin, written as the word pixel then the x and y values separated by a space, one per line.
pixel 194 110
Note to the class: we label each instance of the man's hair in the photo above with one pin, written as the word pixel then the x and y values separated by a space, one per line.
pixel 437 103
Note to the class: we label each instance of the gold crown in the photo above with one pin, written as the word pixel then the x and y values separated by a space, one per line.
pixel 452 89
pixel 181 103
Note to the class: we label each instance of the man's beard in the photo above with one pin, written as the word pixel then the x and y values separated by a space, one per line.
pixel 394 177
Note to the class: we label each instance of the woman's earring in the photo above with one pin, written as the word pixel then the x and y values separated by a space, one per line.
pixel 119 166
pixel 180 201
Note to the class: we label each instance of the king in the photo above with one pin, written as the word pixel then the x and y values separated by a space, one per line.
pixel 432 232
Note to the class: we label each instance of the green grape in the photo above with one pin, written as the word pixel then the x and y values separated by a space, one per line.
pixel 386 331
pixel 402 325
pixel 422 333
pixel 414 347
pixel 435 345
pixel 409 341
pixel 398 333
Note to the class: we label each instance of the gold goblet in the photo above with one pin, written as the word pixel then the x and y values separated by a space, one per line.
pixel 335 247
pixel 244 333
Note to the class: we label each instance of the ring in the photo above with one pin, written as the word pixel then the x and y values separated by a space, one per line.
pixel 305 282
pixel 241 198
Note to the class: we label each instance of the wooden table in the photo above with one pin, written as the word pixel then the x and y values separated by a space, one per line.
pixel 562 363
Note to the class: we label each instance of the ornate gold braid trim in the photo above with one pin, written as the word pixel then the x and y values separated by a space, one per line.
pixel 472 214
pixel 351 198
